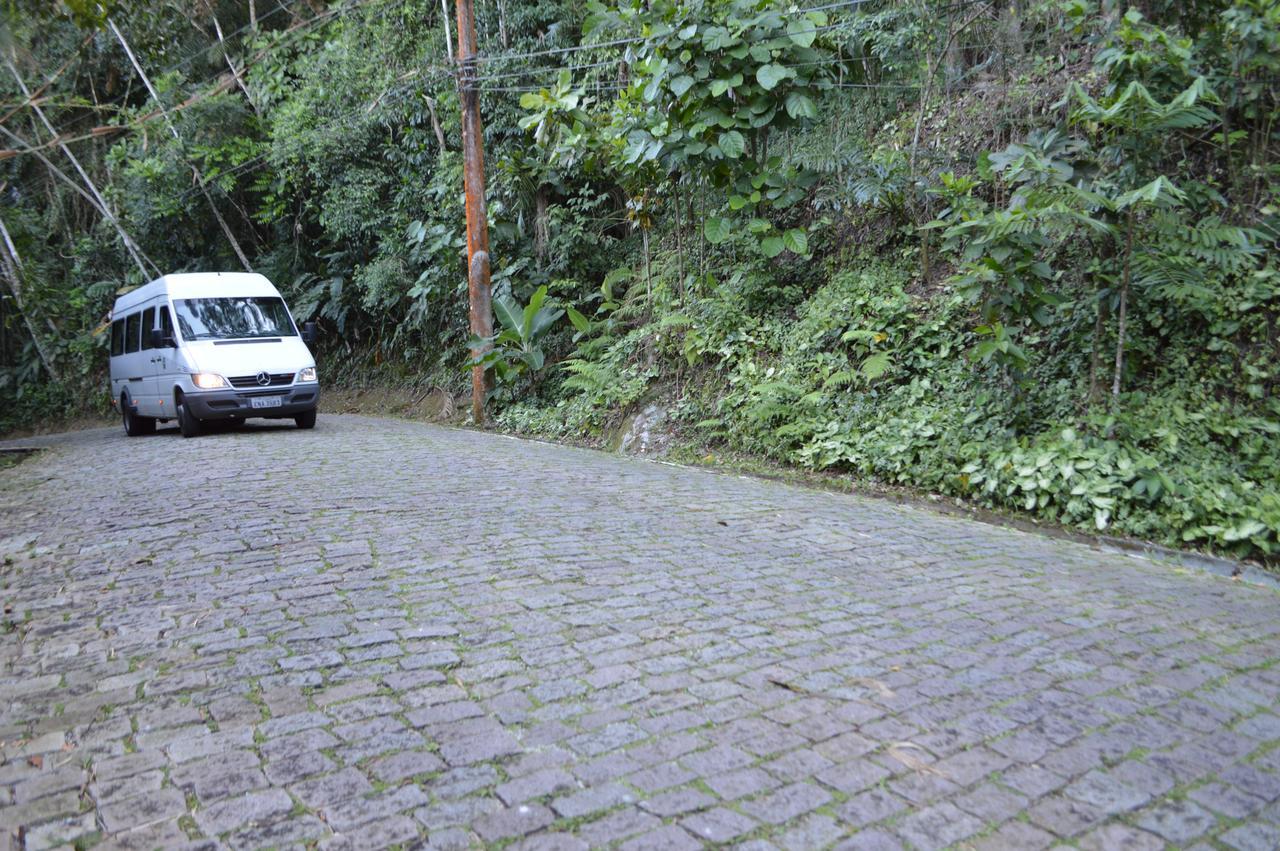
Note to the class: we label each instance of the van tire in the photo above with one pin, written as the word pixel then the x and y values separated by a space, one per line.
pixel 307 419
pixel 134 425
pixel 187 422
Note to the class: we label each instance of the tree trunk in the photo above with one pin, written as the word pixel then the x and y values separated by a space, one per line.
pixel 448 38
pixel 11 266
pixel 541 225
pixel 435 124
pixel 1095 354
pixel 679 245
pixel 235 73
pixel 1122 313
pixel 195 172
pixel 648 286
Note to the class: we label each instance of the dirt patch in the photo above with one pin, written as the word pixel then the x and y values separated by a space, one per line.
pixel 429 404
pixel 14 457
pixel 57 426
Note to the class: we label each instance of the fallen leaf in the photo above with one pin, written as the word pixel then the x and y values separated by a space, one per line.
pixel 872 682
pixel 897 750
pixel 35 761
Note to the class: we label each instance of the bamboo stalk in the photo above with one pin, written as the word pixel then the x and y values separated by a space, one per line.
pixel 204 190
pixel 100 202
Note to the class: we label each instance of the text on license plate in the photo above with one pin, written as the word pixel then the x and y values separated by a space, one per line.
pixel 265 401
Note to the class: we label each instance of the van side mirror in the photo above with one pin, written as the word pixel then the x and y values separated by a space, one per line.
pixel 160 340
pixel 308 332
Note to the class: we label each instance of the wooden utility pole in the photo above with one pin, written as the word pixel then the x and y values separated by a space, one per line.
pixel 477 212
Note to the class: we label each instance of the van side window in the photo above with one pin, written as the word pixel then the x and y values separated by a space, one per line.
pixel 166 323
pixel 132 332
pixel 117 337
pixel 148 324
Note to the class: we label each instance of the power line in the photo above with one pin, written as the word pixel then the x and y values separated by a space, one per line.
pixel 288 34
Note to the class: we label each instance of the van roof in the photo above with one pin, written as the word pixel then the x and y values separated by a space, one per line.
pixel 197 285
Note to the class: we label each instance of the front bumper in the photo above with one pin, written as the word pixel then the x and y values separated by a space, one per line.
pixel 234 404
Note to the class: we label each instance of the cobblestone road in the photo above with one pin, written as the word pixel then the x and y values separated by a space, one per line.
pixel 381 633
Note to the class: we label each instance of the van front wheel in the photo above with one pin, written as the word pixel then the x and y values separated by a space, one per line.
pixel 306 420
pixel 187 422
pixel 134 425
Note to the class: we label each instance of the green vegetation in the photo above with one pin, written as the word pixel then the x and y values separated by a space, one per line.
pixel 1021 254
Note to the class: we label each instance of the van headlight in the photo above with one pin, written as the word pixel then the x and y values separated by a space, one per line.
pixel 308 374
pixel 208 380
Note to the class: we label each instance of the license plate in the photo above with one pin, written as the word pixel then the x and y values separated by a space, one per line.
pixel 265 401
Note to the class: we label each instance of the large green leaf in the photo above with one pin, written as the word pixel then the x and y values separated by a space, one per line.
pixel 732 144
pixel 771 246
pixel 542 322
pixel 530 311
pixel 508 312
pixel 716 230
pixel 768 76
pixel 802 32
pixel 796 241
pixel 534 358
pixel 801 106
pixel 580 322
pixel 681 84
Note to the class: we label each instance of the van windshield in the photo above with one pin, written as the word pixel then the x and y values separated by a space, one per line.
pixel 233 318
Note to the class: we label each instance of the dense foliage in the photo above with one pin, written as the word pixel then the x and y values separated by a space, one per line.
pixel 1019 254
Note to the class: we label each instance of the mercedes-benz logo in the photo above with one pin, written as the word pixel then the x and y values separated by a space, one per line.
pixel 263 379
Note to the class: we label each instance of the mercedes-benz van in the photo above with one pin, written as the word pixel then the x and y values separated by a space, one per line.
pixel 209 346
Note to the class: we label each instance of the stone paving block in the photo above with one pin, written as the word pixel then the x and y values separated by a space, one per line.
pixel 937 826
pixel 788 803
pixel 294 766
pixel 815 831
pixel 62 831
pixel 592 800
pixel 346 814
pixel 616 826
pixel 869 807
pixel 328 789
pixel 509 822
pixel 1015 835
pixel 1180 822
pixel 1106 793
pixel 873 839
pixel 403 764
pixel 665 838
pixel 282 833
pixel 142 810
pixel 1227 800
pixel 243 811
pixel 678 802
pixel 1252 837
pixel 1065 817
pixel 549 842
pixel 718 825
pixel 1120 837
pixel 400 830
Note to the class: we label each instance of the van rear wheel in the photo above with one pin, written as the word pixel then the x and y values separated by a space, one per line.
pixel 134 425
pixel 187 422
pixel 306 420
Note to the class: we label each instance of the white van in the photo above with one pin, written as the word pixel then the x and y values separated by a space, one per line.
pixel 209 346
